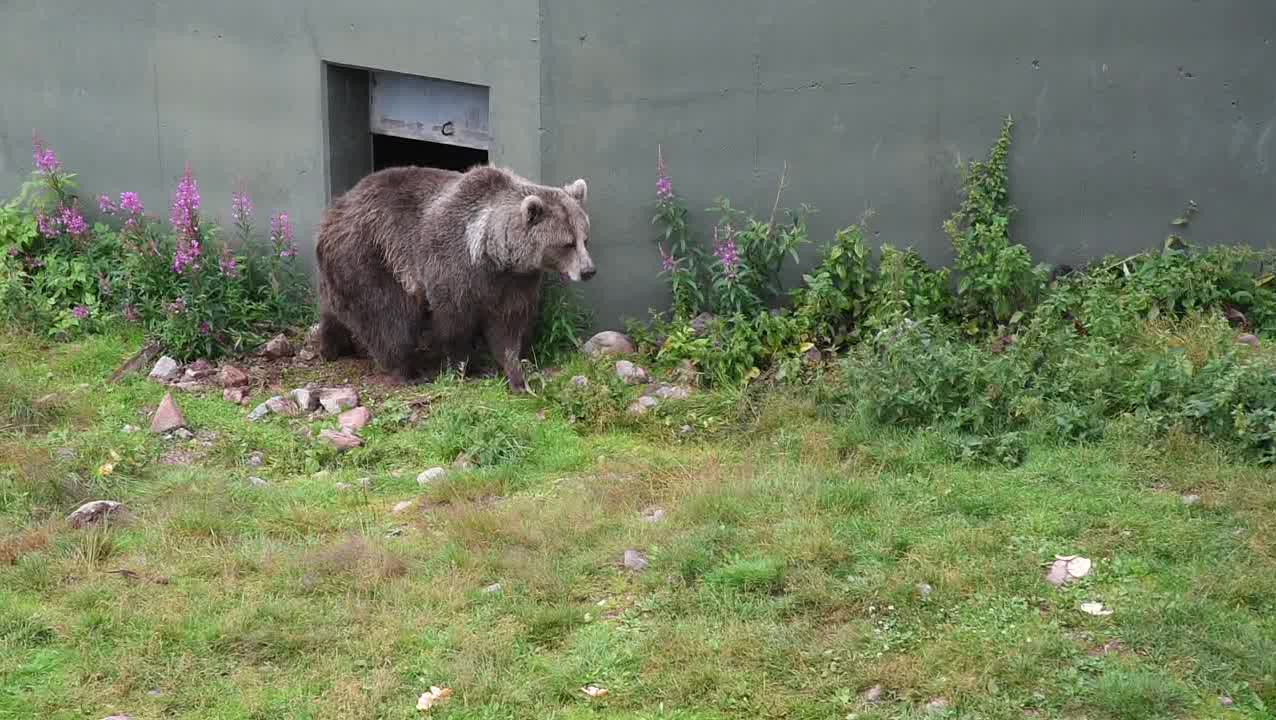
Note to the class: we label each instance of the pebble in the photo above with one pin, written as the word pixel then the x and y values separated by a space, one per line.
pixel 635 560
pixel 428 476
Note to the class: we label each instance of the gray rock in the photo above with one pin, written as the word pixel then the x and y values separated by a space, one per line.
pixel 1248 339
pixel 341 486
pixel 96 511
pixel 128 429
pixel 402 507
pixel 872 695
pixel 278 348
pixel 183 434
pixel 257 482
pixel 653 515
pixel 608 342
pixel 307 354
pixel 1191 500
pixel 306 399
pixel 1225 700
pixel 937 706
pixel 167 416
pixel 635 561
pixel 493 588
pixel 283 406
pixel 261 410
pixel 338 400
pixel 428 476
pixel 630 373
pixel 643 405
pixel 671 392
pixel 256 459
pixel 924 589
pixel 580 381
pixel 166 370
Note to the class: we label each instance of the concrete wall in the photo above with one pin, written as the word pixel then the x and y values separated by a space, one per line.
pixel 1125 111
pixel 127 91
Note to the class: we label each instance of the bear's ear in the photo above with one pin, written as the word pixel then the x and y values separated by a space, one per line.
pixel 578 190
pixel 533 209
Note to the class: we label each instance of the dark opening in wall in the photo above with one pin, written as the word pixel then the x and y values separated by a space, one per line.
pixel 382 119
pixel 390 151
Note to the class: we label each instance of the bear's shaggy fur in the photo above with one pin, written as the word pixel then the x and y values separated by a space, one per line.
pixel 416 265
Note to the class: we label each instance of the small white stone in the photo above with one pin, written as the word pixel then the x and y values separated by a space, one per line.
pixel 429 476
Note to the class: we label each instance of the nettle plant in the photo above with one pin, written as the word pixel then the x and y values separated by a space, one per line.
pixel 196 294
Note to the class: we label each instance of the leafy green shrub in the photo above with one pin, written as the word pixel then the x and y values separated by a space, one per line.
pixel 562 323
pixel 997 278
pixel 197 295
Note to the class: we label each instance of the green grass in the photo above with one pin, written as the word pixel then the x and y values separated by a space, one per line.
pixel 786 576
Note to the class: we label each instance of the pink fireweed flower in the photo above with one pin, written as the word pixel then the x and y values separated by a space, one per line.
pixel 205 329
pixel 727 254
pixel 14 252
pixel 73 221
pixel 667 262
pixel 230 266
pixel 241 207
pixel 185 211
pixel 43 157
pixel 281 235
pixel 130 203
pixel 80 312
pixel 49 226
pixel 186 255
pixel 105 204
pixel 177 307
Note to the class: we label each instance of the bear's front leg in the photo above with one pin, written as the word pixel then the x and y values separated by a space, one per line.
pixel 505 347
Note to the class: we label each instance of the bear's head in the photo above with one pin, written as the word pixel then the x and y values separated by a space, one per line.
pixel 554 230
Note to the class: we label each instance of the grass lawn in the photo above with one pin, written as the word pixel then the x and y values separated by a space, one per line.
pixel 795 563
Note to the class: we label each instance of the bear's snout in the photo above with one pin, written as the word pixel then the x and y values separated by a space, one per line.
pixel 588 274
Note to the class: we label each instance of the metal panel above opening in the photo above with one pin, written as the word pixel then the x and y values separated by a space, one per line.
pixel 439 111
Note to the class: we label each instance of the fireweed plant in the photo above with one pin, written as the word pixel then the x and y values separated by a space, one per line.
pixel 195 294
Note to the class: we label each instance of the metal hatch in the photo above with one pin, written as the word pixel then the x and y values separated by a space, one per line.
pixel 438 111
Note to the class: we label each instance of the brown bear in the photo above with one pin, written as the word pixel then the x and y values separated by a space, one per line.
pixel 416 265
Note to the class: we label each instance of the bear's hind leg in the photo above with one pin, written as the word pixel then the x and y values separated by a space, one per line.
pixel 335 340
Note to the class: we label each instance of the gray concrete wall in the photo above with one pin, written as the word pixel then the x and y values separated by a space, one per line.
pixel 1125 110
pixel 128 91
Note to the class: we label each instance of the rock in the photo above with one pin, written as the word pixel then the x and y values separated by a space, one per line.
pixel 813 356
pixel 428 476
pixel 1066 568
pixel 493 588
pixel 924 589
pixel 190 386
pixel 341 440
pixel 166 370
pixel 653 515
pixel 338 400
pixel 232 377
pixel 643 405
pixel 283 406
pixel 402 507
pixel 580 381
pixel 96 511
pixel 1095 608
pixel 278 348
pixel 343 486
pixel 198 370
pixel 234 396
pixel 872 695
pixel 183 434
pixel 128 429
pixel 1248 339
pixel 700 323
pixel 630 373
pixel 355 419
pixel 635 561
pixel 305 398
pixel 261 410
pixel 671 392
pixel 608 342
pixel 136 363
pixel 937 706
pixel 1225 701
pixel 167 416
pixel 307 355
pixel 257 482
pixel 1190 500
pixel 256 459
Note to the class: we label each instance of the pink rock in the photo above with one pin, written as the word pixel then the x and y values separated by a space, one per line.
pixel 338 400
pixel 167 416
pixel 233 377
pixel 233 395
pixel 341 440
pixel 354 419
